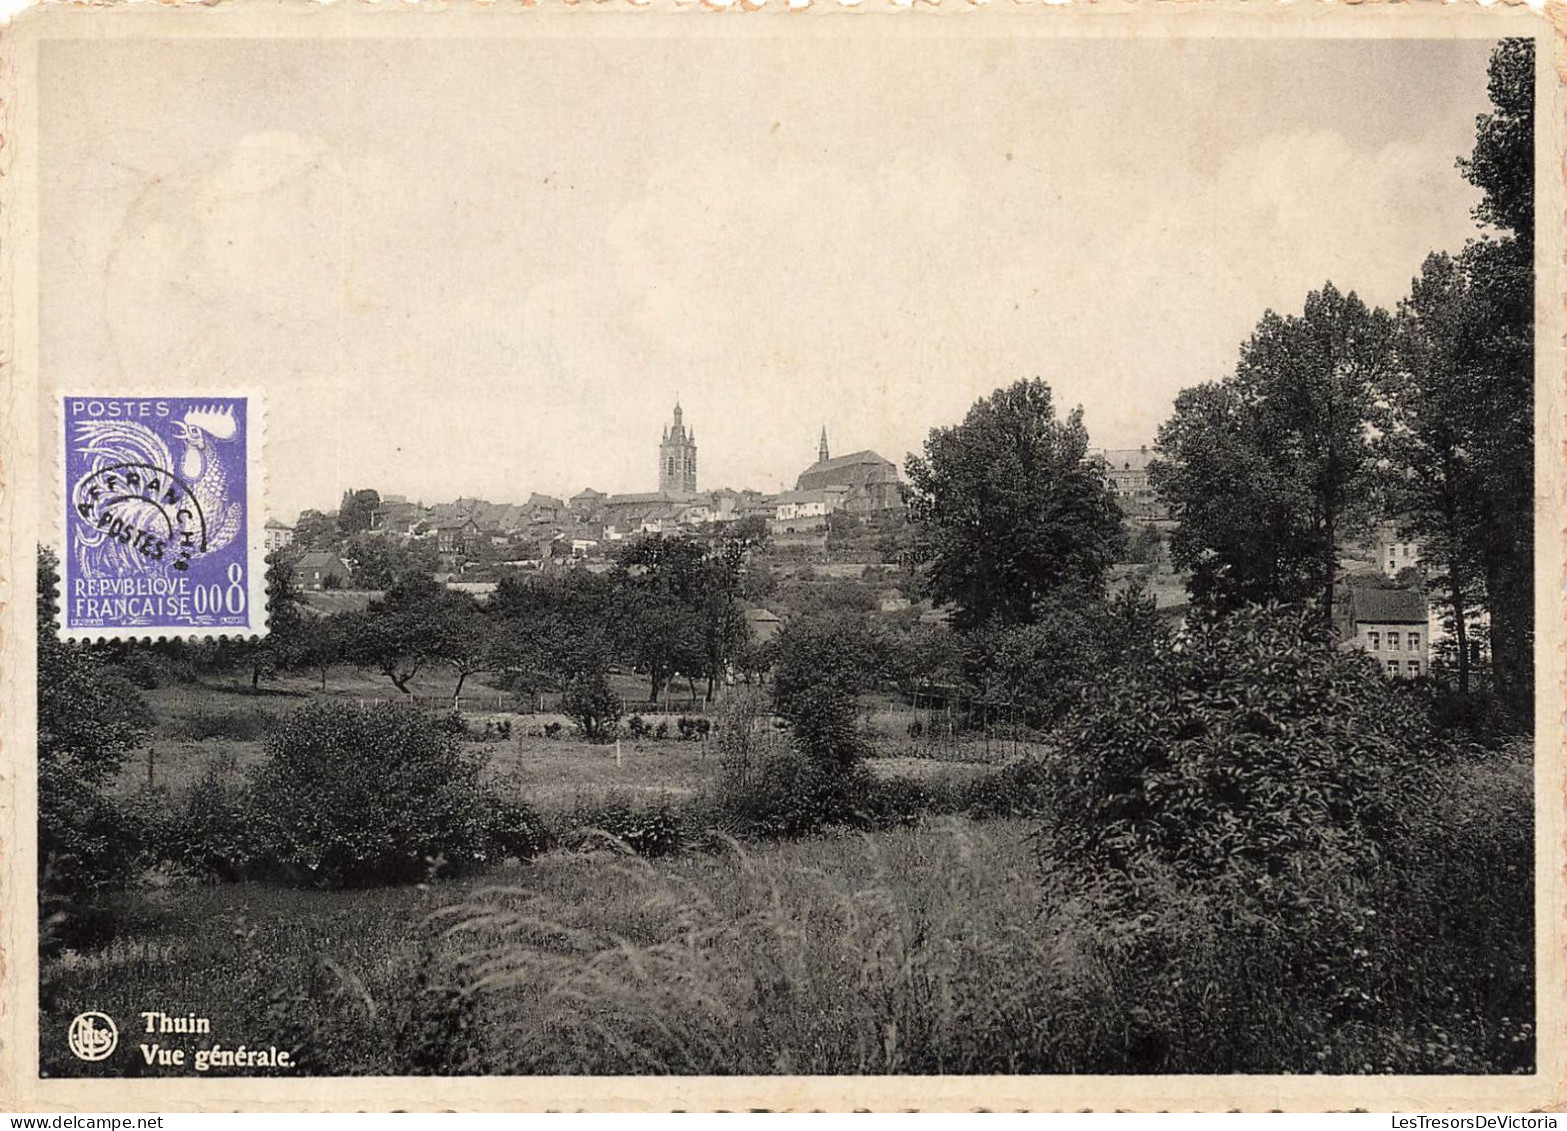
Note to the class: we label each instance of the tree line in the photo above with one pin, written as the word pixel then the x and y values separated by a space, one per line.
pixel 669 607
pixel 1333 420
pixel 1347 414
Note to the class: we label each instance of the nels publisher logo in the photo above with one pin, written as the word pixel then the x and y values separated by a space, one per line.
pixel 92 1036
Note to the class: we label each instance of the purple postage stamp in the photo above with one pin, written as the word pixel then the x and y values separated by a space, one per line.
pixel 162 517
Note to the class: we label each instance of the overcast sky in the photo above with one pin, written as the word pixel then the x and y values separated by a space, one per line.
pixel 488 267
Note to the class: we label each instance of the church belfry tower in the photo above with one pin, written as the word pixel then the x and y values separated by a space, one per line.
pixel 677 458
pixel 821 449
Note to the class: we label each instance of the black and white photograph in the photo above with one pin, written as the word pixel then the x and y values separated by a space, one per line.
pixel 757 545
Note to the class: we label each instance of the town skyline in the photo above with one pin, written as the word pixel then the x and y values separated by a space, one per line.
pixel 826 450
pixel 333 236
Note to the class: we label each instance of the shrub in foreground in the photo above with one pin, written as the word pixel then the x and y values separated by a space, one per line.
pixel 658 830
pixel 1255 799
pixel 593 707
pixel 205 830
pixel 350 797
pixel 785 794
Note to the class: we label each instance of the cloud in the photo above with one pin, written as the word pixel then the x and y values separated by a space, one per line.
pixel 530 330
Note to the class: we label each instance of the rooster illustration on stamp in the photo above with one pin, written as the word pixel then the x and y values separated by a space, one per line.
pixel 161 495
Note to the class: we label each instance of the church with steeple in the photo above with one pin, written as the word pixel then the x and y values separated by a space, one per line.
pixel 866 483
pixel 677 458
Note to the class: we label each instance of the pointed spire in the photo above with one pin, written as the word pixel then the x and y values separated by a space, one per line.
pixel 821 449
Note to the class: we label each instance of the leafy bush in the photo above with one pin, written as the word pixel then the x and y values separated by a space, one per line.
pixel 831 651
pixel 205 830
pixel 140 670
pixel 553 730
pixel 516 830
pixel 826 728
pixel 788 794
pixel 1459 919
pixel 1020 789
pixel 693 728
pixel 638 729
pixel 1251 744
pixel 1480 716
pixel 89 719
pixel 493 730
pixel 647 830
pixel 350 797
pixel 888 803
pixel 661 731
pixel 1077 640
pixel 1256 799
pixel 593 707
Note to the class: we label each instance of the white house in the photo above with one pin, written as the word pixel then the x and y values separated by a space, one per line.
pixel 797 512
pixel 1395 555
pixel 277 535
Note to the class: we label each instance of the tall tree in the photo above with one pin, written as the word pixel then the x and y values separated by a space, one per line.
pixel 1008 508
pixel 678 606
pixel 1460 436
pixel 466 641
pixel 551 631
pixel 357 510
pixel 89 720
pixel 1501 278
pixel 1502 163
pixel 1295 473
pixel 1434 484
pixel 1502 271
pixel 1239 533
pixel 417 623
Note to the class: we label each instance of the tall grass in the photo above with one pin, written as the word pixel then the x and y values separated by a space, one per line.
pixel 927 949
pixel 917 951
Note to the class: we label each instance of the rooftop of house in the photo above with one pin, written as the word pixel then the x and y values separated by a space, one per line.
pixel 321 559
pixel 639 498
pixel 1387 606
pixel 821 495
pixel 1128 459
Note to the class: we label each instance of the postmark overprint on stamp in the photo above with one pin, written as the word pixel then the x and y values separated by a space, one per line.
pixel 162 532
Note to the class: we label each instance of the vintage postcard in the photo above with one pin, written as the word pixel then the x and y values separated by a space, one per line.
pixel 989 556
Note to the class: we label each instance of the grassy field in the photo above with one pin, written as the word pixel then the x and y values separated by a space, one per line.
pixel 899 951
pixel 929 948
pixel 226 725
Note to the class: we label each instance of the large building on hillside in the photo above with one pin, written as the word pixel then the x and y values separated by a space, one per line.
pixel 868 482
pixel 677 459
pixel 1394 553
pixel 1127 470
